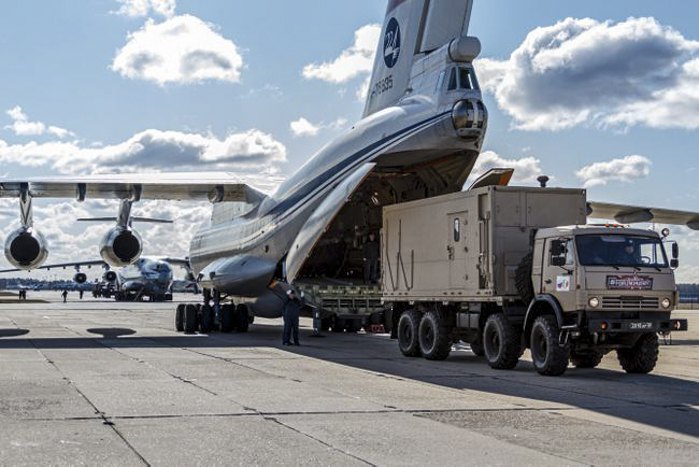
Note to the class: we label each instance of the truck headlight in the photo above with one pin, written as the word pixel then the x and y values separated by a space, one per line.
pixel 666 303
pixel 593 302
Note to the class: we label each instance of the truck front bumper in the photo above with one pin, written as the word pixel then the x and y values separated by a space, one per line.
pixel 635 325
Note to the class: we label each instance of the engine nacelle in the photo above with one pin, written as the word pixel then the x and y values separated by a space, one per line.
pixel 25 248
pixel 109 276
pixel 80 277
pixel 121 247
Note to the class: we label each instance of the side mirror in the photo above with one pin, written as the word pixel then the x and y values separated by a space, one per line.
pixel 675 251
pixel 557 248
pixel 558 261
pixel 674 263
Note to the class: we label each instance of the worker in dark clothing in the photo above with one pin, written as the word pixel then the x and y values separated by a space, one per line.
pixel 81 293
pixel 291 313
pixel 370 252
pixel 65 296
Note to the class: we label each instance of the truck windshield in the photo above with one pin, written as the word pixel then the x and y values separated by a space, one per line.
pixel 621 250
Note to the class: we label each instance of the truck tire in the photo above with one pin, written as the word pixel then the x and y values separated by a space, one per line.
pixel 206 319
pixel 549 358
pixel 434 336
pixel 501 342
pixel 477 346
pixel 588 359
pixel 642 357
pixel 523 279
pixel 190 319
pixel 408 329
pixel 242 316
pixel 179 318
pixel 227 318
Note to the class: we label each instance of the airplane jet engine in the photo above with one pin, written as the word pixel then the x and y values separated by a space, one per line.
pixel 25 248
pixel 80 278
pixel 109 276
pixel 121 247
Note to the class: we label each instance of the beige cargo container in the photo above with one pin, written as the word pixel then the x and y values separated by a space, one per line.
pixel 467 246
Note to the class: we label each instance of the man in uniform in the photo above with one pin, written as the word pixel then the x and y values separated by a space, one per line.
pixel 370 252
pixel 291 313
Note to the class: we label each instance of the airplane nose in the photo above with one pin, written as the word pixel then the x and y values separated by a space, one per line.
pixel 469 117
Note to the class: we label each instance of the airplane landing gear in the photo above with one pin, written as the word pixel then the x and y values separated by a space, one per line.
pixel 212 316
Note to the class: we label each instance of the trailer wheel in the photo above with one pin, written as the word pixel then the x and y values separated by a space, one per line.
pixel 549 357
pixel 190 319
pixel 523 279
pixel 179 317
pixel 227 318
pixel 242 318
pixel 206 319
pixel 501 342
pixel 408 328
pixel 586 359
pixel 642 357
pixel 434 336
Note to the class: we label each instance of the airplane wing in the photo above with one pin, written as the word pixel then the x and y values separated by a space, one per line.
pixel 625 214
pixel 214 187
pixel 76 264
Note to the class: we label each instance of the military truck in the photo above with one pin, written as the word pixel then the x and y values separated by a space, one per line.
pixel 507 269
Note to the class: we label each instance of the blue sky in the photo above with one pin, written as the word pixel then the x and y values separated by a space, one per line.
pixel 69 105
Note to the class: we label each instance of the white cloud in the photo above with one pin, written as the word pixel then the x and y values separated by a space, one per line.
pixel 252 151
pixel 527 169
pixel 627 169
pixel 302 127
pixel 22 126
pixel 141 8
pixel 582 71
pixel 182 49
pixel 357 60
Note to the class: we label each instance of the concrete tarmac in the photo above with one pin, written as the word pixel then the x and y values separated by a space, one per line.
pixel 98 382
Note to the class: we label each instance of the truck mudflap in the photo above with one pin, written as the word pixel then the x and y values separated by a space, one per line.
pixel 605 326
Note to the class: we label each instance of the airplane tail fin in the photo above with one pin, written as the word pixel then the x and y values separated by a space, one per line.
pixel 412 28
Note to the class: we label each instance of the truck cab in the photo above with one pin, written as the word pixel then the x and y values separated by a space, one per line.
pixel 607 287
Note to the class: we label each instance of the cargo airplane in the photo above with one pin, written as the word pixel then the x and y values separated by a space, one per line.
pixel 422 130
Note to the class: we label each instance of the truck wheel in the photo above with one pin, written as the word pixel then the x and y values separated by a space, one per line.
pixel 206 319
pixel 523 279
pixel 227 318
pixel 477 346
pixel 501 342
pixel 586 359
pixel 242 318
pixel 190 319
pixel 179 318
pixel 642 357
pixel 550 359
pixel 408 328
pixel 434 336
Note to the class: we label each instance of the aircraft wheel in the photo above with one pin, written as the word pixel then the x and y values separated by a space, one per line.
pixel 227 318
pixel 179 317
pixel 242 318
pixel 190 319
pixel 206 319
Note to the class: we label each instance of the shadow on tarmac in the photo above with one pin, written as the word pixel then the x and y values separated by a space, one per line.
pixel 659 401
